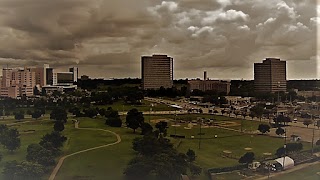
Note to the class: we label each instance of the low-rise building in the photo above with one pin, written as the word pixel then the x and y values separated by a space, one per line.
pixel 209 85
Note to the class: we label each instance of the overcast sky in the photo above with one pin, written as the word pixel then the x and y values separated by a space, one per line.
pixel 107 37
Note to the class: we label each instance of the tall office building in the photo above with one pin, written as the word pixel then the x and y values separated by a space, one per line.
pixel 75 72
pixel 270 76
pixel 156 71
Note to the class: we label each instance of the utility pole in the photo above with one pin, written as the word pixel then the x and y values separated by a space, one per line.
pixel 200 133
pixel 284 147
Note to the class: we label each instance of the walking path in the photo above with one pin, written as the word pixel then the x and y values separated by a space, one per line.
pixel 56 169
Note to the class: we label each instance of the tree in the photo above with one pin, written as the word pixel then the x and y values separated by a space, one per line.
pixel 318 124
pixel 162 127
pixel 9 170
pixel 134 119
pixel 19 115
pixel 11 139
pixel 281 119
pixel 139 167
pixel 258 111
pixel 40 155
pixel 264 128
pixel 113 118
pixel 58 126
pixel 3 129
pixel 252 115
pixel 28 170
pixel 59 114
pixel 280 131
pixel 223 111
pixel 36 114
pixel 247 158
pixel 237 113
pixel 191 155
pixel 307 122
pixel 146 128
pixel 244 114
pixel 90 112
pixel 55 138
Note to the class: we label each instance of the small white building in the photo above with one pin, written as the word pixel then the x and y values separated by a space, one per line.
pixel 285 162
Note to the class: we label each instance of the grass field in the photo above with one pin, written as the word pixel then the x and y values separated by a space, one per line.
pixel 112 160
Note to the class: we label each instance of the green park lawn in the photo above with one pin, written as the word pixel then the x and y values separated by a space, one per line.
pixel 109 162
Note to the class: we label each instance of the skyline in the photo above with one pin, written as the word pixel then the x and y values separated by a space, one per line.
pixel 107 39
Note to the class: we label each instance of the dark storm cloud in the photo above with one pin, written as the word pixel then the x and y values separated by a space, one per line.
pixel 224 37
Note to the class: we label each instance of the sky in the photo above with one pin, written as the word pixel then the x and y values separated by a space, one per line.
pixel 106 38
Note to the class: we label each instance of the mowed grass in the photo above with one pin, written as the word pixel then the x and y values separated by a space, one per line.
pixel 40 128
pixel 308 173
pixel 145 106
pixel 77 139
pixel 104 163
pixel 110 162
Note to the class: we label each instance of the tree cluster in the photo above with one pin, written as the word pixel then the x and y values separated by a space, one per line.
pixel 157 158
pixel 40 158
pixel 290 148
pixel 112 118
pixel 9 138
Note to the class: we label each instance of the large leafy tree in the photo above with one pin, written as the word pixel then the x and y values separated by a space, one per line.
pixel 59 114
pixel 157 158
pixel 191 155
pixel 40 155
pixel 307 122
pixel 247 158
pixel 58 126
pixel 36 114
pixel 11 139
pixel 113 118
pixel 264 128
pixel 257 111
pixel 280 131
pixel 162 127
pixel 54 138
pixel 24 170
pixel 19 115
pixel 134 119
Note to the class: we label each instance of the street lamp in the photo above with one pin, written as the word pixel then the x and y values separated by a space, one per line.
pixel 278 92
pixel 200 120
pixel 284 158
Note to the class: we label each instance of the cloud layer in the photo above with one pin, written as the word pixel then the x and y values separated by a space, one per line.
pixel 106 38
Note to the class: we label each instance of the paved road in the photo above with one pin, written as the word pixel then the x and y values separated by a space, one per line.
pixel 58 166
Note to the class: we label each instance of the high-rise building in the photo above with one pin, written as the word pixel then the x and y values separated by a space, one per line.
pixel 17 82
pixel 270 76
pixel 75 72
pixel 157 71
